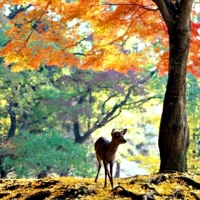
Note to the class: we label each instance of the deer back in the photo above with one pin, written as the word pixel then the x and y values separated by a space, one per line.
pixel 101 147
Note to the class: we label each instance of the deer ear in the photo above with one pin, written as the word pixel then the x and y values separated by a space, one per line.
pixel 113 131
pixel 124 131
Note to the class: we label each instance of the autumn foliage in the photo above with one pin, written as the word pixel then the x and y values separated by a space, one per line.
pixel 101 35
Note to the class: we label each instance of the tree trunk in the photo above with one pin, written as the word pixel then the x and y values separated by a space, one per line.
pixel 2 171
pixel 78 137
pixel 13 121
pixel 25 121
pixel 117 173
pixel 174 132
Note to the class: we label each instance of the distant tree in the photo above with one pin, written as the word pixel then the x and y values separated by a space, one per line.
pixel 99 98
pixel 79 101
pixel 19 97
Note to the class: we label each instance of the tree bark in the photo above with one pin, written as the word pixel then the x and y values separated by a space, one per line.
pixel 174 132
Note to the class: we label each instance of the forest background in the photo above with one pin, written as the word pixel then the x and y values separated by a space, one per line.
pixel 43 112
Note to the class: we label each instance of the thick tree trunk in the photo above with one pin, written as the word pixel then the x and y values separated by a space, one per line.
pixel 174 133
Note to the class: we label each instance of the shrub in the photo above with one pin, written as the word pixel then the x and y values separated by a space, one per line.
pixel 34 153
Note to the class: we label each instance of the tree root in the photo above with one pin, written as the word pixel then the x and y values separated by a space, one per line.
pixel 158 179
pixel 190 181
pixel 125 193
pixel 196 196
pixel 177 194
pixel 39 195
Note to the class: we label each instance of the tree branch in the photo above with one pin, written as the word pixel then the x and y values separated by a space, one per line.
pixel 164 12
pixel 30 34
pixel 131 4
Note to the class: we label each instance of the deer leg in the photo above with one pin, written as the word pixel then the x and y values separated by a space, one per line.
pixel 106 172
pixel 98 170
pixel 111 174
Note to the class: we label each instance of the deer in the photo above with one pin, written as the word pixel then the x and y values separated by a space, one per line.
pixel 106 152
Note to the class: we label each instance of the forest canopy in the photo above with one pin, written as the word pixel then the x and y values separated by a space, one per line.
pixel 91 34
